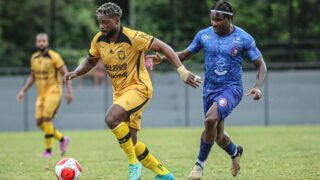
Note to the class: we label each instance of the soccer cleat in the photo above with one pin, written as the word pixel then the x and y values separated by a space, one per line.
pixel 135 171
pixel 46 154
pixel 196 172
pixel 235 162
pixel 168 176
pixel 64 145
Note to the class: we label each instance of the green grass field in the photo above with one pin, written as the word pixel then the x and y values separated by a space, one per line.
pixel 278 152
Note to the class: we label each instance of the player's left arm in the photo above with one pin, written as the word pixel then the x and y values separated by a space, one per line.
pixel 260 76
pixel 173 58
pixel 69 96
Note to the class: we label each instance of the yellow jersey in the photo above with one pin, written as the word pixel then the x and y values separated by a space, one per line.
pixel 46 71
pixel 124 60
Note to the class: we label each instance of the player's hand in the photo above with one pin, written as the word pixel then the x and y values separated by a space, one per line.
pixel 256 93
pixel 148 63
pixel 20 96
pixel 69 76
pixel 154 59
pixel 188 77
pixel 194 80
pixel 69 97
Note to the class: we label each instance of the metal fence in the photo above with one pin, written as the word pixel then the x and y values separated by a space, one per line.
pixel 290 97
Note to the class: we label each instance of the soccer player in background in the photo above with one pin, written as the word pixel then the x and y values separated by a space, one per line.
pixel 122 51
pixel 224 46
pixel 47 67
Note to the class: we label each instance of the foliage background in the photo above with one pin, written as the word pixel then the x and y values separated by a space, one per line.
pixel 285 30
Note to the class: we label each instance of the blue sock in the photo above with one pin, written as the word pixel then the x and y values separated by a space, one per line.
pixel 204 150
pixel 231 149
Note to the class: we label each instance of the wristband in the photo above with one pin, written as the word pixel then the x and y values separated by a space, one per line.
pixel 183 73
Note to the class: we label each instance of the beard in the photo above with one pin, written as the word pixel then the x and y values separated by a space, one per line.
pixel 110 33
pixel 42 49
pixel 222 30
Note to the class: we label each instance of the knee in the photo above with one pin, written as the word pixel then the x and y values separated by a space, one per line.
pixel 39 122
pixel 133 133
pixel 111 120
pixel 134 139
pixel 45 119
pixel 211 122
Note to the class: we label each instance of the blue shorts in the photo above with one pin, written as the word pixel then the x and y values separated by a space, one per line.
pixel 226 99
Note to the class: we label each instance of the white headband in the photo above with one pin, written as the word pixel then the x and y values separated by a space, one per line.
pixel 223 12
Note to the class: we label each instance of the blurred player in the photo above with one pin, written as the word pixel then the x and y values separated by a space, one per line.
pixel 224 45
pixel 122 51
pixel 46 69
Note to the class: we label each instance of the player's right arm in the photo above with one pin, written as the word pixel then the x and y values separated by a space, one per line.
pixel 86 65
pixel 26 86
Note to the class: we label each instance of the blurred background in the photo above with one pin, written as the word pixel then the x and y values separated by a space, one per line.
pixel 286 31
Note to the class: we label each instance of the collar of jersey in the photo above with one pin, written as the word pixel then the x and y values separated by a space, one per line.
pixel 122 38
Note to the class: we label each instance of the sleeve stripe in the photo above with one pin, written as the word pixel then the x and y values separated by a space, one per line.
pixel 150 43
pixel 91 55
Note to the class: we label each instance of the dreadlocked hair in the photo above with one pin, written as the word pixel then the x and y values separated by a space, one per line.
pixel 223 6
pixel 109 9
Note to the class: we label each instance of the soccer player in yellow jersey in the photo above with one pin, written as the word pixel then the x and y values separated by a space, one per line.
pixel 46 69
pixel 122 51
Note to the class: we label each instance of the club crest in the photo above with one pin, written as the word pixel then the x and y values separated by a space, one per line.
pixel 121 55
pixel 222 102
pixel 235 51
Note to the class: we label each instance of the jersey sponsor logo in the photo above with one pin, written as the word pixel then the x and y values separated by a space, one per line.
pixel 121 55
pixel 205 37
pixel 116 67
pixel 220 70
pixel 42 72
pixel 42 75
pixel 116 75
pixel 235 50
pixel 222 102
pixel 237 40
pixel 220 73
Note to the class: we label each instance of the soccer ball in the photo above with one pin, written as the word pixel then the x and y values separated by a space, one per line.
pixel 68 169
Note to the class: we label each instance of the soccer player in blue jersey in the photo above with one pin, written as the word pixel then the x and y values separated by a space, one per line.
pixel 224 46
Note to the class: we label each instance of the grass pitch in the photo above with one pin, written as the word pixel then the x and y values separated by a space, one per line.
pixel 276 152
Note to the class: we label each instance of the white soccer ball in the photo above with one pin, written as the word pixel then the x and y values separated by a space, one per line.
pixel 68 169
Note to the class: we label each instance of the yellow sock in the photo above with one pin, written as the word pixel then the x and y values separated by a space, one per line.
pixel 57 134
pixel 148 160
pixel 48 134
pixel 122 133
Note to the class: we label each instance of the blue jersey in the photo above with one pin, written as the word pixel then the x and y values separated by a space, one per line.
pixel 223 56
